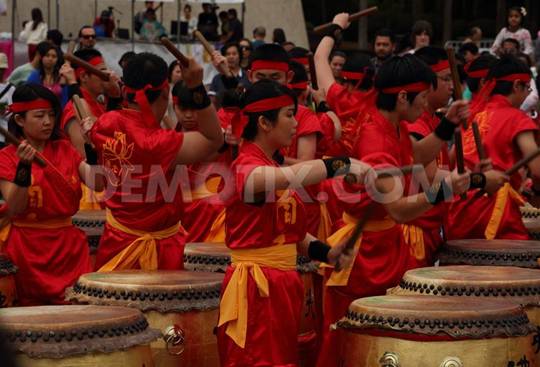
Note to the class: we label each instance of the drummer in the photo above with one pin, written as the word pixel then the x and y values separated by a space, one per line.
pixel 262 294
pixel 48 250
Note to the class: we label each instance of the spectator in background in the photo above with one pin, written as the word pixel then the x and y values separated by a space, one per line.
pixel 208 22
pixel 6 98
pixel 530 105
pixel 124 59
pixel 21 73
pixel 278 36
pixel 174 75
pixel 104 24
pixel 236 29
pixel 34 32
pixel 259 34
pixel 141 16
pixel 384 46
pixel 87 37
pixel 469 51
pixel 224 20
pixel 288 46
pixel 475 36
pixel 337 60
pixel 188 18
pixel 152 29
pixel 233 57
pixel 421 34
pixel 246 48
pixel 514 30
pixel 509 47
pixel 55 37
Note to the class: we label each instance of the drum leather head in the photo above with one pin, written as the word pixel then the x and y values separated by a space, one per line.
pixel 163 291
pixel 72 330
pixel 498 282
pixel 471 318
pixel 6 266
pixel 491 252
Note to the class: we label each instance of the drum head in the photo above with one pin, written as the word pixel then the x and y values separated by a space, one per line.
pixel 163 291
pixel 6 266
pixel 61 331
pixel 429 315
pixel 491 252
pixel 498 282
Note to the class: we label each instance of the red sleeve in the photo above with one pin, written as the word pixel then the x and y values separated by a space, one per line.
pixel 419 127
pixel 520 124
pixel 8 163
pixel 224 118
pixel 374 149
pixel 335 96
pixel 308 123
pixel 68 114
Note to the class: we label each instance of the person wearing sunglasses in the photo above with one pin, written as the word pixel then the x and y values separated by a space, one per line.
pixel 87 37
pixel 245 49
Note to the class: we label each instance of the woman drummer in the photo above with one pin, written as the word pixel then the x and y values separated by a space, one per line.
pixel 49 251
pixel 265 228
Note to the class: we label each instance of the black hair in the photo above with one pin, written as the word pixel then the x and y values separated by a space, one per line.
pixel 84 27
pixel 470 47
pixel 187 6
pixel 398 71
pixel 43 48
pixel 512 41
pixel 29 93
pixel 260 90
pixel 229 45
pixel 524 57
pixel 279 36
pixel 171 68
pixel 419 27
pixel 431 55
pixel 385 32
pixel 270 52
pixel 359 63
pixel 298 52
pixel 300 75
pixel 337 53
pixel 145 69
pixel 506 65
pixel 55 36
pixel 233 12
pixel 126 56
pixel 259 31
pixel 37 17
pixel 185 97
pixel 87 54
pixel 222 14
pixel 485 61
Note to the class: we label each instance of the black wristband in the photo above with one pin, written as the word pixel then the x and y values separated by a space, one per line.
pixel 478 180
pixel 337 166
pixel 438 193
pixel 200 97
pixel 23 175
pixel 278 157
pixel 91 154
pixel 318 250
pixel 74 89
pixel 334 31
pixel 322 107
pixel 114 103
pixel 445 129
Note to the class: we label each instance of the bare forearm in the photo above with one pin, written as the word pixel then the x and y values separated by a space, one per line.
pixel 408 208
pixel 209 127
pixel 15 196
pixel 427 149
pixel 325 77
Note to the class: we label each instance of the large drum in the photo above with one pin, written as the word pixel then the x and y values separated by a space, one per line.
pixel 182 304
pixel 427 331
pixel 524 254
pixel 8 293
pixel 217 256
pixel 78 336
pixel 531 219
pixel 91 222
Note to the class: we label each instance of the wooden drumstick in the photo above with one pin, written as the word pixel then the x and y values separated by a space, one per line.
pixel 460 160
pixel 12 139
pixel 87 66
pixel 522 163
pixel 478 141
pixel 313 72
pixel 353 17
pixel 209 48
pixel 458 90
pixel 184 61
pixel 80 109
pixel 71 47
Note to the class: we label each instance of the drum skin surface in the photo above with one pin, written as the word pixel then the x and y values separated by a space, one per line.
pixel 78 336
pixel 429 331
pixel 184 299
pixel 491 252
pixel 8 293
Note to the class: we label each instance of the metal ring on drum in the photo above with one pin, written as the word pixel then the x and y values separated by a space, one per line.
pixel 531 220
pixel 8 292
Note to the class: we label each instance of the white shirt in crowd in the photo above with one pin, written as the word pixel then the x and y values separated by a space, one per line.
pixel 4 102
pixel 33 37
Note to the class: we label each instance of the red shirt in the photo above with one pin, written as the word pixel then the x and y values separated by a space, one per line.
pixel 278 221
pixel 96 108
pixel 147 189
pixel 424 126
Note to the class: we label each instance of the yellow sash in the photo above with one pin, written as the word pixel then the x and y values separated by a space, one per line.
pixel 414 237
pixel 325 223
pixel 142 250
pixel 505 192
pixel 217 232
pixel 341 278
pixel 233 308
pixel 42 224
pixel 90 199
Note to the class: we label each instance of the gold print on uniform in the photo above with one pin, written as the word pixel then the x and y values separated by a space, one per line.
pixel 116 155
pixel 35 197
pixel 288 204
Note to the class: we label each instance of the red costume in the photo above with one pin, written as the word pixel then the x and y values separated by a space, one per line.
pixel 273 313
pixel 147 195
pixel 49 251
pixel 497 216
pixel 97 109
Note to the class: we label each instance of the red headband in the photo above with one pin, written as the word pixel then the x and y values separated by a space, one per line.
pixel 38 104
pixel 301 60
pixel 240 121
pixel 440 66
pixel 351 75
pixel 142 101
pixel 477 74
pixel 412 87
pixel 299 85
pixel 95 61
pixel 270 65
pixel 513 77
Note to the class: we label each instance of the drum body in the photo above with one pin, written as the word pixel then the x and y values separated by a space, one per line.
pixel 217 256
pixel 519 253
pixel 183 305
pixel 427 331
pixel 91 222
pixel 78 336
pixel 8 293
pixel 531 219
